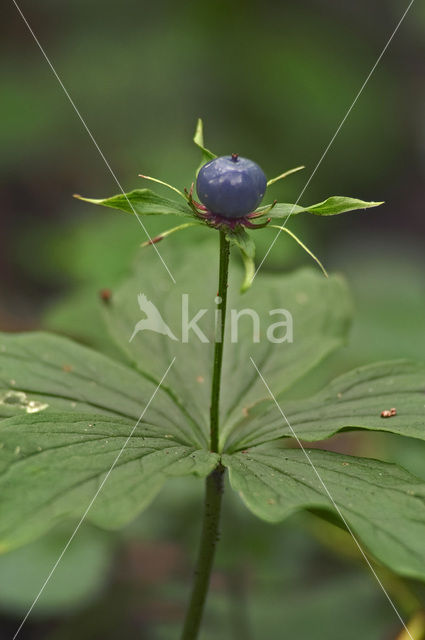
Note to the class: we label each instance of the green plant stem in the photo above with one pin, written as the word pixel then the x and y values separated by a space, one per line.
pixel 214 482
pixel 219 341
pixel 209 537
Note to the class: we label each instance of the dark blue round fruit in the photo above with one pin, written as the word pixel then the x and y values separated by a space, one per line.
pixel 231 186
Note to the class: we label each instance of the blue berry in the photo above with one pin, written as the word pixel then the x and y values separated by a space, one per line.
pixel 231 186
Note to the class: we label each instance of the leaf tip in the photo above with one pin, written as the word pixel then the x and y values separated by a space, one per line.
pixel 246 284
pixel 198 136
pixel 83 199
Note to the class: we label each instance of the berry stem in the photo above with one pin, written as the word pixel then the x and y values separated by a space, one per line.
pixel 219 340
pixel 214 482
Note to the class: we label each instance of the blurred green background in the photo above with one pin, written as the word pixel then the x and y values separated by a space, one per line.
pixel 272 81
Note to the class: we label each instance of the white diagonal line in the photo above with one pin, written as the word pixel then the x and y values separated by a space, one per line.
pixel 102 155
pixel 322 157
pixel 336 507
pixel 83 517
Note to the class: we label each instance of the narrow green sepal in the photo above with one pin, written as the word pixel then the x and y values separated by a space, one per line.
pixel 302 245
pixel 198 139
pixel 164 234
pixel 165 184
pixel 284 175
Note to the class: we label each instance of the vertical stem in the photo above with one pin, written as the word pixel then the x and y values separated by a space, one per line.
pixel 209 537
pixel 214 482
pixel 218 346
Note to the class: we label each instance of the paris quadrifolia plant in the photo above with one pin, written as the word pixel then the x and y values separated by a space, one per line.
pixel 84 435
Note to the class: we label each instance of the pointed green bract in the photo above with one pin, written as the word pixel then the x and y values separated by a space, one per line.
pixel 249 266
pixel 383 505
pixel 52 465
pixel 244 241
pixel 340 204
pixel 329 207
pixel 198 139
pixel 352 401
pixel 142 202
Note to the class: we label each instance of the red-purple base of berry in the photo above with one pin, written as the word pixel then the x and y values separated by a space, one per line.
pixel 219 221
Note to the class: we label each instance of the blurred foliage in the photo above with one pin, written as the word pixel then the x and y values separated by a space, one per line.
pixel 79 578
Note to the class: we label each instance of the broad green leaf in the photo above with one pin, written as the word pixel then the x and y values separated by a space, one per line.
pixel 352 401
pixel 52 464
pixel 383 504
pixel 329 207
pixel 144 202
pixel 41 372
pixel 320 309
pixel 198 139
